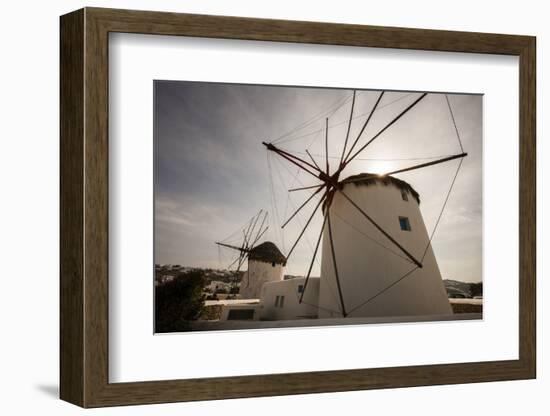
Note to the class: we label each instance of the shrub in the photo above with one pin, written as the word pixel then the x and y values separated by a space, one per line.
pixel 179 301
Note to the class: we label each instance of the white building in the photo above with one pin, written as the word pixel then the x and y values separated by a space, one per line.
pixel 216 285
pixel 265 264
pixel 368 262
pixel 281 300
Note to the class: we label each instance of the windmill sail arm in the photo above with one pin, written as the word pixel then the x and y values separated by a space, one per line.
pixel 259 236
pixel 425 165
pixel 312 159
pixel 232 246
pixel 347 157
pixel 301 206
pixel 303 188
pixel 349 128
pixel 307 225
pixel 387 126
pixel 313 259
pixel 334 262
pixel 250 232
pixel 301 163
pixel 420 166
pixel 238 259
pixel 260 231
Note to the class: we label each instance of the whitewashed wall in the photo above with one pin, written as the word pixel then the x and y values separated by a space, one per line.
pixel 365 267
pixel 291 308
pixel 258 273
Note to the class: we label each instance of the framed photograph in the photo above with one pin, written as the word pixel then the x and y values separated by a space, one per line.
pixel 257 207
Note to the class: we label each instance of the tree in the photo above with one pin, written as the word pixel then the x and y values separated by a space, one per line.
pixel 179 301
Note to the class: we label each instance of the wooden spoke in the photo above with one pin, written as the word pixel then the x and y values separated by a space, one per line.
pixel 260 230
pixel 259 236
pixel 313 258
pixel 422 165
pixel 343 163
pixel 306 187
pixel 349 128
pixel 234 261
pixel 305 226
pixel 333 253
pixel 231 246
pixel 312 159
pixel 405 111
pixel 326 147
pixel 304 164
pixel 301 206
pixel 248 236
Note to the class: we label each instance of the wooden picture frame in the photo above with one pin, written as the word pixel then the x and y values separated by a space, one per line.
pixel 84 207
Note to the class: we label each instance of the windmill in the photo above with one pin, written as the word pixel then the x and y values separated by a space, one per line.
pixel 265 261
pixel 334 190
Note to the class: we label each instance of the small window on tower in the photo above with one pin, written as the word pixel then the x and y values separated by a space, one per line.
pixel 281 301
pixel 300 288
pixel 404 195
pixel 277 301
pixel 273 264
pixel 404 224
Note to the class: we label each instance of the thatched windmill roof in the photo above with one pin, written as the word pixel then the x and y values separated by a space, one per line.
pixel 367 179
pixel 268 253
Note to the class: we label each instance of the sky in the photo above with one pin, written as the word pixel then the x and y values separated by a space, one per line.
pixel 212 173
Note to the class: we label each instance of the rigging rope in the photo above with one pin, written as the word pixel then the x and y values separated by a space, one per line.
pixel 383 290
pixel 371 238
pixel 454 123
pixel 377 159
pixel 343 122
pixel 276 217
pixel 297 217
pixel 425 250
pixel 442 209
pixel 314 118
pixel 410 272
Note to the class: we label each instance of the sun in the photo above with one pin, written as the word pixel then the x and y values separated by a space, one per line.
pixel 380 167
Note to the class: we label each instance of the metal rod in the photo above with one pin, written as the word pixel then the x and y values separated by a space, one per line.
pixel 362 128
pixel 301 206
pixel 405 111
pixel 379 228
pixel 349 128
pixel 333 252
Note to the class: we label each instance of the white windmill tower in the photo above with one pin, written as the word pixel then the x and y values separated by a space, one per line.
pixel 372 277
pixel 265 261
pixel 370 265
